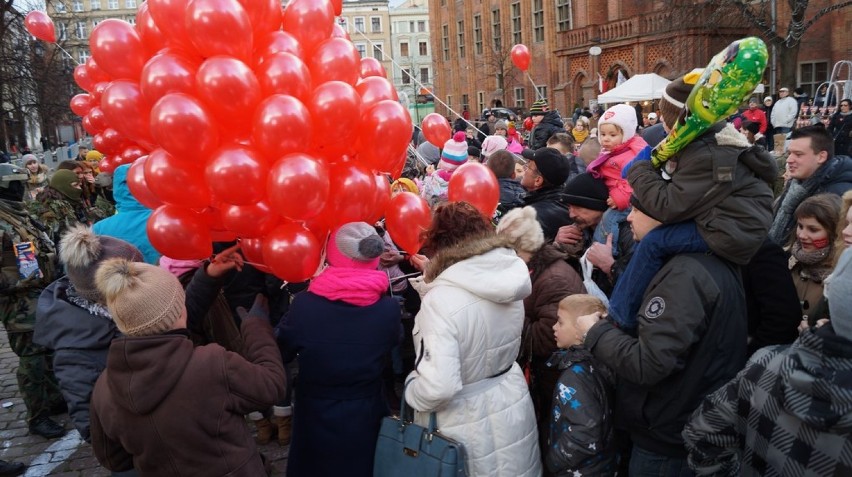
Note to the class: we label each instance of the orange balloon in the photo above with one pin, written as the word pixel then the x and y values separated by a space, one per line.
pixel 476 184
pixel 521 56
pixel 407 218
pixel 436 129
pixel 292 252
pixel 180 233
pixel 40 26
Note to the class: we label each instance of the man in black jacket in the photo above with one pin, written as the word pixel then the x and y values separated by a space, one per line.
pixel 690 341
pixel 546 171
pixel 546 124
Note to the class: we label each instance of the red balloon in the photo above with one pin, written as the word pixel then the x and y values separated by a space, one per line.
pixel 385 134
pixel 475 183
pixel 106 165
pixel 374 89
pixel 407 218
pixel 334 106
pixel 337 31
pixel 352 195
pixel 250 221
pixel 310 21
pixel 298 186
pixel 337 6
pixel 169 18
pixel 117 48
pixel 229 88
pixel 82 78
pixel 335 59
pixel 284 73
pixel 131 153
pixel 252 250
pixel 174 183
pixel 372 67
pixel 383 196
pixel 98 92
pixel 237 174
pixel 153 39
pixel 275 42
pixel 281 125
pixel 40 26
pixel 81 104
pixel 167 73
pixel 87 125
pixel 179 233
pixel 292 252
pixel 113 142
pixel 95 72
pixel 127 111
pixel 265 15
pixel 138 185
pixel 96 119
pixel 436 129
pixel 182 126
pixel 521 56
pixel 219 27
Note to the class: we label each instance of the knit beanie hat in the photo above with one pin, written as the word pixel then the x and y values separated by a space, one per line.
pixel 143 299
pixel 552 165
pixel 501 124
pixel 539 107
pixel 521 228
pixel 622 116
pixel 81 251
pixel 675 95
pixel 454 153
pixel 492 144
pixel 837 291
pixel 62 180
pixel 94 156
pixel 355 245
pixel 586 191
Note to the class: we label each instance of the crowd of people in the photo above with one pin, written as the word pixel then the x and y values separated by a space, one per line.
pixel 610 318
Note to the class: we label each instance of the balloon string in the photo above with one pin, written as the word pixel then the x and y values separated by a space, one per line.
pixel 538 94
pixel 67 54
pixel 418 83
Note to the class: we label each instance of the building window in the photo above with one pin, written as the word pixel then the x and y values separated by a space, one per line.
pixel 80 30
pixel 406 76
pixel 811 75
pixel 465 104
pixel 129 3
pixel 516 23
pixel 95 4
pixel 375 24
pixel 60 7
pixel 403 49
pixel 77 6
pixel 449 101
pixel 112 4
pixel 362 49
pixel 61 31
pixel 410 27
pixel 359 24
pixel 542 92
pixel 477 34
pixel 445 41
pixel 460 34
pixel 421 26
pixel 520 100
pixel 480 100
pixel 343 23
pixel 82 55
pixel 496 29
pixel 377 51
pixel 130 20
pixel 424 75
pixel 424 48
pixel 564 17
pixel 538 20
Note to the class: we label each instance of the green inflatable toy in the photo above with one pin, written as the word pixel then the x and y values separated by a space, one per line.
pixel 725 83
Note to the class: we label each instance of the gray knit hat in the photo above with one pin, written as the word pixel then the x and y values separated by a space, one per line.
pixel 81 251
pixel 355 245
pixel 838 292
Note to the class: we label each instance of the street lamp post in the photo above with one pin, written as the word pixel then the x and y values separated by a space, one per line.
pixel 594 60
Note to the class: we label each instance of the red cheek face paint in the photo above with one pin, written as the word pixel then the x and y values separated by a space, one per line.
pixel 821 243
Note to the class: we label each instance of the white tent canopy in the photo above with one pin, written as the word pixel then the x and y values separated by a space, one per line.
pixel 637 88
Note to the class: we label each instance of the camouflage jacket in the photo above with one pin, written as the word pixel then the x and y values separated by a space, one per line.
pixel 57 213
pixel 18 296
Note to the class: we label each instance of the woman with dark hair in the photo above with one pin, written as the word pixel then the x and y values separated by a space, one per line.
pixel 840 128
pixel 466 337
pixel 813 252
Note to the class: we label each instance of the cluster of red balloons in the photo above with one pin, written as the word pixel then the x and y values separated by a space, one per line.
pixel 242 120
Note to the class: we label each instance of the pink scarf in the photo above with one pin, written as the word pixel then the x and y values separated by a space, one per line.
pixel 350 285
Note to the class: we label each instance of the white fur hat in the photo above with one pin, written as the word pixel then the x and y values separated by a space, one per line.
pixel 522 229
pixel 623 116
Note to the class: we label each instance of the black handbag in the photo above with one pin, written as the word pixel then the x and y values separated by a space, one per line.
pixel 407 449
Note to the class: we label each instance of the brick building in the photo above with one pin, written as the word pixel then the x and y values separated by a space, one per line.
pixel 471 41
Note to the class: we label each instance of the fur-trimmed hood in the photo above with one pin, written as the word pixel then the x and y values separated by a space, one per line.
pixel 484 266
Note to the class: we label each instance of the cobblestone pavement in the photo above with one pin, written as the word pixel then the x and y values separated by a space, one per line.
pixel 67 456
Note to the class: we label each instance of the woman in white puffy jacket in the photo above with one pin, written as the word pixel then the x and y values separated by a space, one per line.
pixel 467 335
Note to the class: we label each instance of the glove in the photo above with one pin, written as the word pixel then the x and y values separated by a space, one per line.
pixel 644 155
pixel 259 310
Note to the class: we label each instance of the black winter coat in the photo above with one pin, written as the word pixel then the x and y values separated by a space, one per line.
pixel 551 210
pixel 549 125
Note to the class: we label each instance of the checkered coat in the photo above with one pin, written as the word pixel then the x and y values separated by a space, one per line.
pixel 788 413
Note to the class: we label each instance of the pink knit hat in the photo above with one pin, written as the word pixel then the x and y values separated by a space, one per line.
pixel 454 153
pixel 622 116
pixel 355 245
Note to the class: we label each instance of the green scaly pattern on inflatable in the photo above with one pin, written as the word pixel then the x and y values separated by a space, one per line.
pixel 728 80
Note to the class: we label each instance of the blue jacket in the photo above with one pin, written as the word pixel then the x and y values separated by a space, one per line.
pixel 130 220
